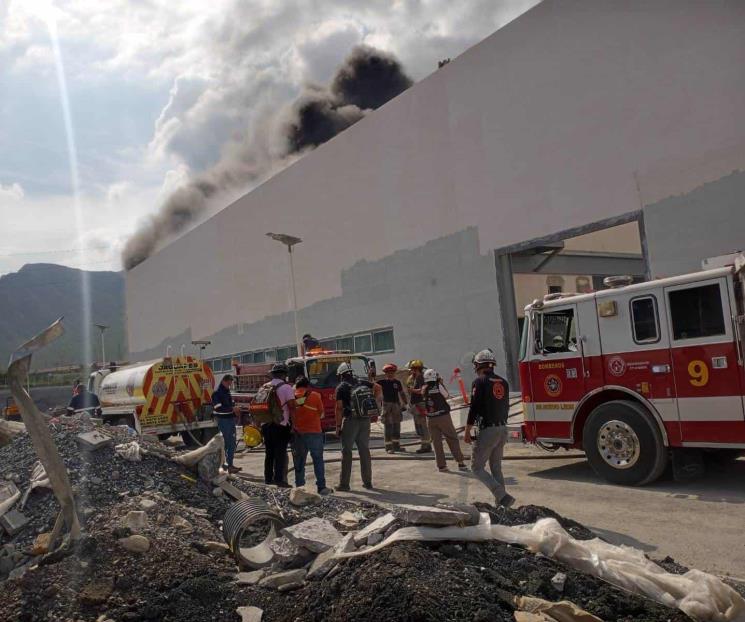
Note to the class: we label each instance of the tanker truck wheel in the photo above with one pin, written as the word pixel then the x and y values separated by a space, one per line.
pixel 623 444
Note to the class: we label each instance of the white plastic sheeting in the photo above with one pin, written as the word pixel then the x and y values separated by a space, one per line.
pixel 698 594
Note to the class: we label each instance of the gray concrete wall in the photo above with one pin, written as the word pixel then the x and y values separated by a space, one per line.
pixel 547 125
pixel 705 222
pixel 440 299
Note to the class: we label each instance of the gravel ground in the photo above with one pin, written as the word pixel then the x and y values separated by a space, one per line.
pixel 183 578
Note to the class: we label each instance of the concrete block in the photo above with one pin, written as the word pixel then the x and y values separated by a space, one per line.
pixel 426 515
pixel 315 534
pixel 94 440
pixel 301 497
pixel 136 521
pixel 12 522
pixel 250 578
pixel 250 614
pixel 325 562
pixel 284 578
pixel 135 544
pixel 234 492
pixel 380 524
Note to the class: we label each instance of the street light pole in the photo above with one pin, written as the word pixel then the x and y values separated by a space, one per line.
pixel 289 241
pixel 102 328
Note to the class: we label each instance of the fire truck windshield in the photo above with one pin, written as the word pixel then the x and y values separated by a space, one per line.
pixel 322 371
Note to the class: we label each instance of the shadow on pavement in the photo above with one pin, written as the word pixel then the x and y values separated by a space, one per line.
pixel 382 495
pixel 721 482
pixel 621 538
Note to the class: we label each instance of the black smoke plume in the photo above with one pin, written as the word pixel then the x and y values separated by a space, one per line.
pixel 366 80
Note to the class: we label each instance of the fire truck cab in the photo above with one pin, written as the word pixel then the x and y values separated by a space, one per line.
pixel 637 372
pixel 319 366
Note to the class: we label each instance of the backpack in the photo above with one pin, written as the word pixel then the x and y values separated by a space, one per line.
pixel 265 406
pixel 363 402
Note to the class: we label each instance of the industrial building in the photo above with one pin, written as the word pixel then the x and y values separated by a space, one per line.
pixel 582 139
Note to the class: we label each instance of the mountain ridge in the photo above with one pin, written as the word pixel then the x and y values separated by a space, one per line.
pixel 38 294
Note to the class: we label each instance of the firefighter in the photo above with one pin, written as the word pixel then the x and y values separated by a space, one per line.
pixel 439 422
pixel 353 428
pixel 226 412
pixel 394 401
pixel 490 404
pixel 414 383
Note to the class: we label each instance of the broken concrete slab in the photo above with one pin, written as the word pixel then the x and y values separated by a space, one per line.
pixel 284 578
pixel 350 519
pixel 325 562
pixel 380 524
pixel 427 515
pixel 284 549
pixel 12 522
pixel 136 521
pixel 148 504
pixel 208 468
pixel 250 614
pixel 315 534
pixel 93 441
pixel 135 544
pixel 9 494
pixel 301 497
pixel 181 523
pixel 289 587
pixel 250 578
pixel 234 492
pixel 474 516
pixel 374 538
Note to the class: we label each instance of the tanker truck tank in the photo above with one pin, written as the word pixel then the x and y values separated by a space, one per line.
pixel 166 396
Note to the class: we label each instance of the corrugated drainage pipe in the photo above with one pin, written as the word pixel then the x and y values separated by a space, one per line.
pixel 251 515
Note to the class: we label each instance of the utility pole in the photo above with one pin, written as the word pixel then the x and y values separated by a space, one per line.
pixel 103 328
pixel 289 241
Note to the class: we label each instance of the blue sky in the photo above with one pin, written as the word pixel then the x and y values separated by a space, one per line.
pixel 159 90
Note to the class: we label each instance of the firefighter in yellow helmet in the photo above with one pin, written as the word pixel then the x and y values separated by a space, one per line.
pixel 415 384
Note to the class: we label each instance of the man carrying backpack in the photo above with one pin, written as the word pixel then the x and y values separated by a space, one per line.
pixel 272 408
pixel 355 406
pixel 440 423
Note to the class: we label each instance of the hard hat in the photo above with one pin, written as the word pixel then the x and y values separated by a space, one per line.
pixel 279 368
pixel 390 367
pixel 485 357
pixel 344 368
pixel 414 363
pixel 430 375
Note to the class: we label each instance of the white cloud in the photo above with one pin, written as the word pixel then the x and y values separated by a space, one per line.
pixel 11 193
pixel 180 84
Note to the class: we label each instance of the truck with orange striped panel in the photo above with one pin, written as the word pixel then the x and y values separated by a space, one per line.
pixel 166 396
pixel 640 373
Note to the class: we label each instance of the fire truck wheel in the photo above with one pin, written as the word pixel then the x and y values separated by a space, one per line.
pixel 623 443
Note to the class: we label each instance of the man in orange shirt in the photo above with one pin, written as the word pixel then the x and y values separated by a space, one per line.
pixel 306 426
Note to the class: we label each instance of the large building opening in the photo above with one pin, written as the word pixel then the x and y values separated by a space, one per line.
pixel 568 262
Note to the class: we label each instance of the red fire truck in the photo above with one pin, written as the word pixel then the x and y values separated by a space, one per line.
pixel 319 366
pixel 639 373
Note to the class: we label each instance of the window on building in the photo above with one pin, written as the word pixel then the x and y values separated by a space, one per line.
pixel 697 312
pixel 226 363
pixel 554 289
pixel 258 357
pixel 644 322
pixel 558 332
pixel 363 343
pixel 283 353
pixel 246 358
pixel 383 341
pixel 270 356
pixel 328 344
pixel 345 343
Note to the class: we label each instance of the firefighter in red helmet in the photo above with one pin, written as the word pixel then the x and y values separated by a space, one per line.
pixel 394 401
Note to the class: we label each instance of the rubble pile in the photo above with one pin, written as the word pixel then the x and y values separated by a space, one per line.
pixel 153 549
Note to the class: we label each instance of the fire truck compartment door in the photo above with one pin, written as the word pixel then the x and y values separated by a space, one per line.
pixel 556 370
pixel 706 368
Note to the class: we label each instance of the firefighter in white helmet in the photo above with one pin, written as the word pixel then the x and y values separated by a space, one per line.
pixel 490 404
pixel 356 405
pixel 439 422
